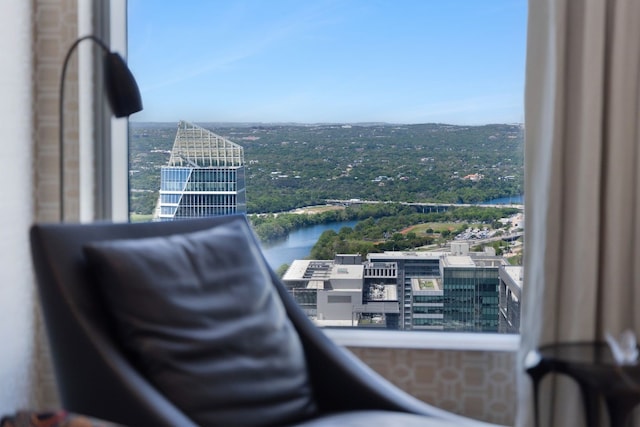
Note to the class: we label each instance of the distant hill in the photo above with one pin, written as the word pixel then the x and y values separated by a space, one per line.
pixel 294 165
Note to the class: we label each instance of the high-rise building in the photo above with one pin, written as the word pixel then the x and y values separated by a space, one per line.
pixel 470 291
pixel 413 269
pixel 205 176
pixel 345 292
pixel 427 304
pixel 510 297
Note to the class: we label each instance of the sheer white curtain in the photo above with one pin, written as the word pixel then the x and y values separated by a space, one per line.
pixel 16 291
pixel 582 275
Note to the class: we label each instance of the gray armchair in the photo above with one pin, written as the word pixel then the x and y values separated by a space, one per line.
pixel 183 324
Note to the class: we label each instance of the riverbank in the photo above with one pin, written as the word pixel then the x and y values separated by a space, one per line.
pixel 311 210
pixel 383 227
pixel 298 243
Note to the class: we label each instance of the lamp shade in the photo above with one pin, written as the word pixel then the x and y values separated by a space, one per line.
pixel 120 86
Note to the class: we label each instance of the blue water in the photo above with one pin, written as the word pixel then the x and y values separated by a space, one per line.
pixel 518 200
pixel 298 244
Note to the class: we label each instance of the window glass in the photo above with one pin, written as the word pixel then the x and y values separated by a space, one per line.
pixel 376 146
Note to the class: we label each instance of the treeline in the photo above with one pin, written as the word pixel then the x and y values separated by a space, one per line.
pixel 357 240
pixel 383 234
pixel 143 202
pixel 270 227
pixel 379 221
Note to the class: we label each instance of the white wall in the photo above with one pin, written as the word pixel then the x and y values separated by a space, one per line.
pixel 16 207
pixel 337 310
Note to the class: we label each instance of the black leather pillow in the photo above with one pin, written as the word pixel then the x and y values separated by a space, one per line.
pixel 200 317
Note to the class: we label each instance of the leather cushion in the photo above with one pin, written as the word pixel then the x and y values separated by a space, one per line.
pixel 200 317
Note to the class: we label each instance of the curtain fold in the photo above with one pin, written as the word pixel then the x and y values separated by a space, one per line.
pixel 582 186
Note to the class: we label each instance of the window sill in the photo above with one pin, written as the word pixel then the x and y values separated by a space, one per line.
pixel 424 340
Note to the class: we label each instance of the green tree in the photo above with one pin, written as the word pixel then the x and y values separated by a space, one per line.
pixel 282 269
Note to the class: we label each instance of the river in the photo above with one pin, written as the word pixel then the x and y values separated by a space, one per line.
pixel 298 244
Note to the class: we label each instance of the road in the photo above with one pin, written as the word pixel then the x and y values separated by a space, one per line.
pixel 348 202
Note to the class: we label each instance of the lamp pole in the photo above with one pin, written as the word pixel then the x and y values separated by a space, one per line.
pixel 122 93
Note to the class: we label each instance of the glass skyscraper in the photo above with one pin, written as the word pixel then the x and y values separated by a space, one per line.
pixel 471 292
pixel 205 176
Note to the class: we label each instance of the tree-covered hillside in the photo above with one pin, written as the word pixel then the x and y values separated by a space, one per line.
pixel 290 166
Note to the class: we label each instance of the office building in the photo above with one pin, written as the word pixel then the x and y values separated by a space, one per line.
pixel 345 292
pixel 427 304
pixel 205 176
pixel 470 291
pixel 445 291
pixel 413 269
pixel 510 297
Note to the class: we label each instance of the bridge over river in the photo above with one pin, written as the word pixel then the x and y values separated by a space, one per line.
pixel 431 206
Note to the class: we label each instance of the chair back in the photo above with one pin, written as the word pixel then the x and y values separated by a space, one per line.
pixel 94 376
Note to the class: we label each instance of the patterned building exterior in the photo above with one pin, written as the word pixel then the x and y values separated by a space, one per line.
pixel 205 176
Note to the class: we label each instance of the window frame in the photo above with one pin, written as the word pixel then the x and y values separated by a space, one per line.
pixel 424 340
pixel 110 135
pixel 118 199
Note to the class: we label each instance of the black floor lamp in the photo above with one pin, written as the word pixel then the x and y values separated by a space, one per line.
pixel 121 89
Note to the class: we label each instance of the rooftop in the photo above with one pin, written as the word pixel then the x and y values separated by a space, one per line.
pixel 195 146
pixel 304 269
pixel 515 274
pixel 425 284
pixel 322 270
pixel 380 292
pixel 404 255
pixel 347 271
pixel 490 262
pixel 458 261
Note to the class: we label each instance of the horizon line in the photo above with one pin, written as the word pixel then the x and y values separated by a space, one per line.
pixel 285 123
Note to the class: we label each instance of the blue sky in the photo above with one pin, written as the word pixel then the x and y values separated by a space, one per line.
pixel 314 61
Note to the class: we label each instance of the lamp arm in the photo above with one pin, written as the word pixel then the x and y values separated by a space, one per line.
pixel 61 113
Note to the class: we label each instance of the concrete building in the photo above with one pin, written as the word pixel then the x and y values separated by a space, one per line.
pixel 381 295
pixel 333 293
pixel 205 176
pixel 510 297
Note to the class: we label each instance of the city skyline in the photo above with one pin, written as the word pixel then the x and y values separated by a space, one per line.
pixel 458 62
